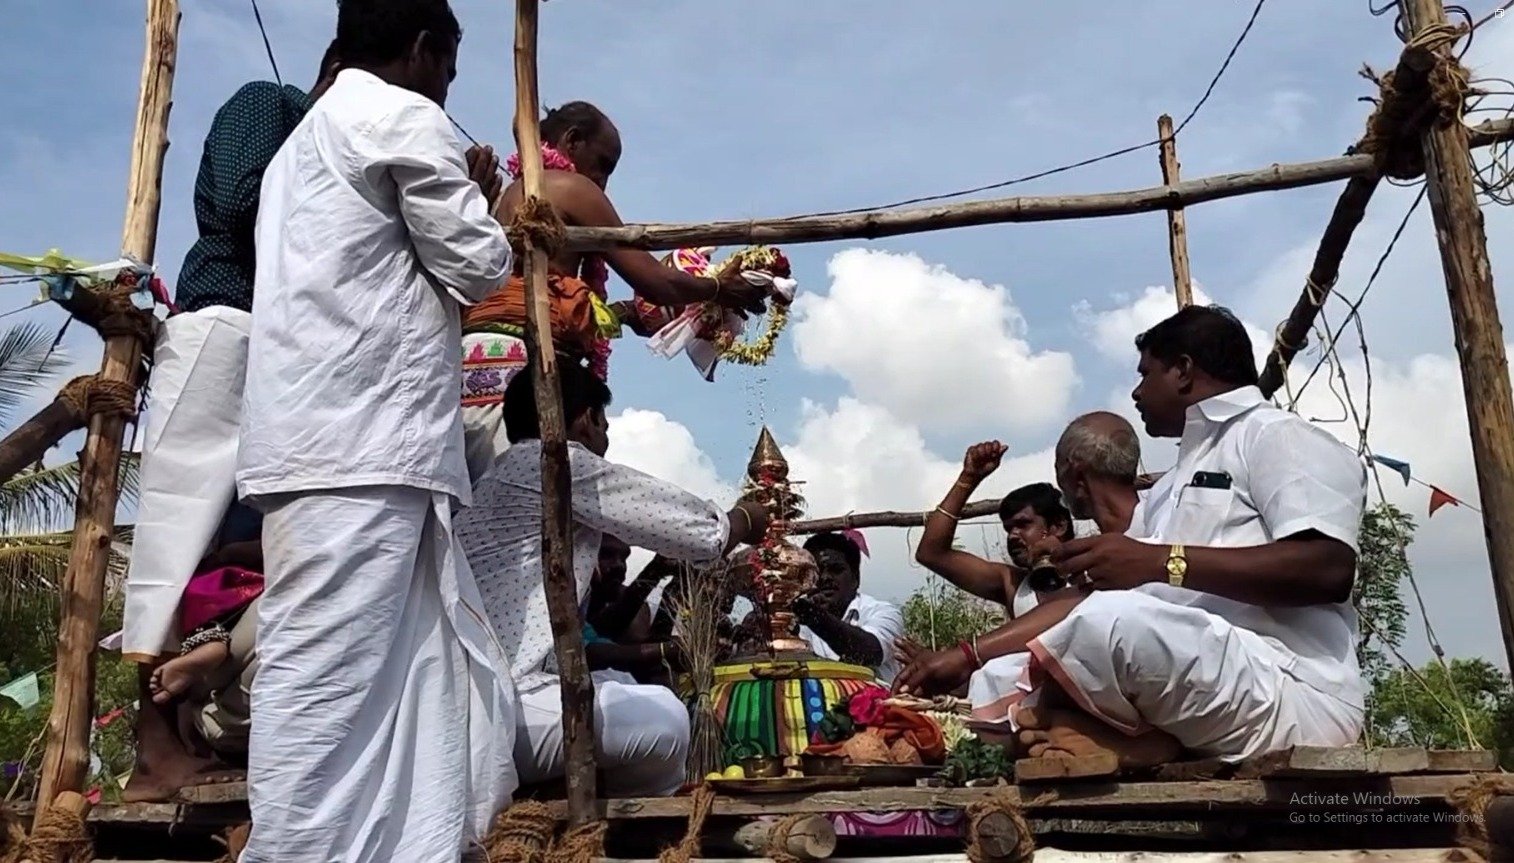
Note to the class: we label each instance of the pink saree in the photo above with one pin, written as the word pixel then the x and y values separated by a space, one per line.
pixel 215 593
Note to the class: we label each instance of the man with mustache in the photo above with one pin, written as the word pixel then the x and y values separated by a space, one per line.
pixel 1029 514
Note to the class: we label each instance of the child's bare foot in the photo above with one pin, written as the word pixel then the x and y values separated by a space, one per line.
pixel 174 677
pixel 1073 733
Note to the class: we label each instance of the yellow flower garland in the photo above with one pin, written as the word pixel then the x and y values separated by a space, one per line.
pixel 758 351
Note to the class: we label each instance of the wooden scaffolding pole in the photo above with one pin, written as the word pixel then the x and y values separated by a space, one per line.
pixel 1291 337
pixel 1474 317
pixel 873 224
pixel 65 762
pixel 1177 223
pixel 556 506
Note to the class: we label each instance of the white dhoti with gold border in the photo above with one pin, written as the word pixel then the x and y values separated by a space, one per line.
pixel 1138 662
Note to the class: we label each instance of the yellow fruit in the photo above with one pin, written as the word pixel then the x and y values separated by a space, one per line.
pixel 735 771
pixel 714 774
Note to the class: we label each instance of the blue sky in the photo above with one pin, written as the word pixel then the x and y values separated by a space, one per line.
pixel 901 352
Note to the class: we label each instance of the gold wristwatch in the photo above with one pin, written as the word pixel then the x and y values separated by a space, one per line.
pixel 1177 566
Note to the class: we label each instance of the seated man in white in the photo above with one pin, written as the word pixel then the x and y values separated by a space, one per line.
pixel 1097 458
pixel 1221 621
pixel 641 732
pixel 838 619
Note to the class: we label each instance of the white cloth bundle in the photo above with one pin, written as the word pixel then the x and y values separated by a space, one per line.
pixel 683 333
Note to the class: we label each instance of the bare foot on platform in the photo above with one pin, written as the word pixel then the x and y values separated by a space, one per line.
pixel 174 677
pixel 156 780
pixel 1073 733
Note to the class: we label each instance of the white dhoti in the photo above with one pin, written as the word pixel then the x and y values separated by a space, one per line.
pixel 381 731
pixel 1139 662
pixel 490 360
pixel 641 736
pixel 999 687
pixel 189 452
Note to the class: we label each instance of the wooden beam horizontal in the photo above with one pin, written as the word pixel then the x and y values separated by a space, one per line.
pixel 873 224
pixel 1158 798
pixel 888 518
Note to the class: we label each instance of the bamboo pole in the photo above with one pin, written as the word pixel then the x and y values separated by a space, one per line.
pixel 1177 223
pixel 1291 337
pixel 1479 334
pixel 66 759
pixel 976 509
pixel 873 224
pixel 562 601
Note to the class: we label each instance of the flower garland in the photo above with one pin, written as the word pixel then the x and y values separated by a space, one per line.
pixel 760 350
pixel 593 270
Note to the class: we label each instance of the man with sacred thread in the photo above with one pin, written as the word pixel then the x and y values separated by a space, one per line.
pixel 580 149
pixel 1220 622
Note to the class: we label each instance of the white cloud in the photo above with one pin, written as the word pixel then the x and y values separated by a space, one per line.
pixel 921 342
pixel 650 442
pixel 854 457
pixel 1112 331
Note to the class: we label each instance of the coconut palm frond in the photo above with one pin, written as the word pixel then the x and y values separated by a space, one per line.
pixel 44 499
pixel 27 360
pixel 35 565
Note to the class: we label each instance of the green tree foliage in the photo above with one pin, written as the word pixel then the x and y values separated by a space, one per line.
pixel 1382 570
pixel 939 614
pixel 1424 707
pixel 1419 707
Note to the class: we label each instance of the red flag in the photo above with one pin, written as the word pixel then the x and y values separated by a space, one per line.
pixel 1439 499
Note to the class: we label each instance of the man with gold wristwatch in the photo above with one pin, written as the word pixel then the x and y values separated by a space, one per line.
pixel 1220 623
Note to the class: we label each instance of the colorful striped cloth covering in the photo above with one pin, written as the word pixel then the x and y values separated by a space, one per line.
pixel 779 717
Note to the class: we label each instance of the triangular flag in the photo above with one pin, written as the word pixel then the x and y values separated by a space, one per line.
pixel 855 536
pixel 23 691
pixel 1401 466
pixel 1439 499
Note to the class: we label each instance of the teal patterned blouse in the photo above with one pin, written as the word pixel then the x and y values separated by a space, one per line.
pixel 243 138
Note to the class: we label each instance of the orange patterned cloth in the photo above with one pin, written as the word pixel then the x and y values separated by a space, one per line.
pixel 572 311
pixel 917 730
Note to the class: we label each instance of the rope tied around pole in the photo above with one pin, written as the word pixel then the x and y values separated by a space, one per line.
pixel 87 395
pixel 521 834
pixel 1404 110
pixel 996 804
pixel 1471 802
pixel 778 839
pixel 582 844
pixel 60 837
pixel 701 802
pixel 121 317
pixel 536 221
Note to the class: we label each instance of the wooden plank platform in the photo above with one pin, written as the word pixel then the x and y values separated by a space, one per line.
pixel 1058 855
pixel 1156 798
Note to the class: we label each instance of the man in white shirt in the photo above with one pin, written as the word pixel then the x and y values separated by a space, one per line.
pixel 839 621
pixel 1221 621
pixel 381 716
pixel 641 732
